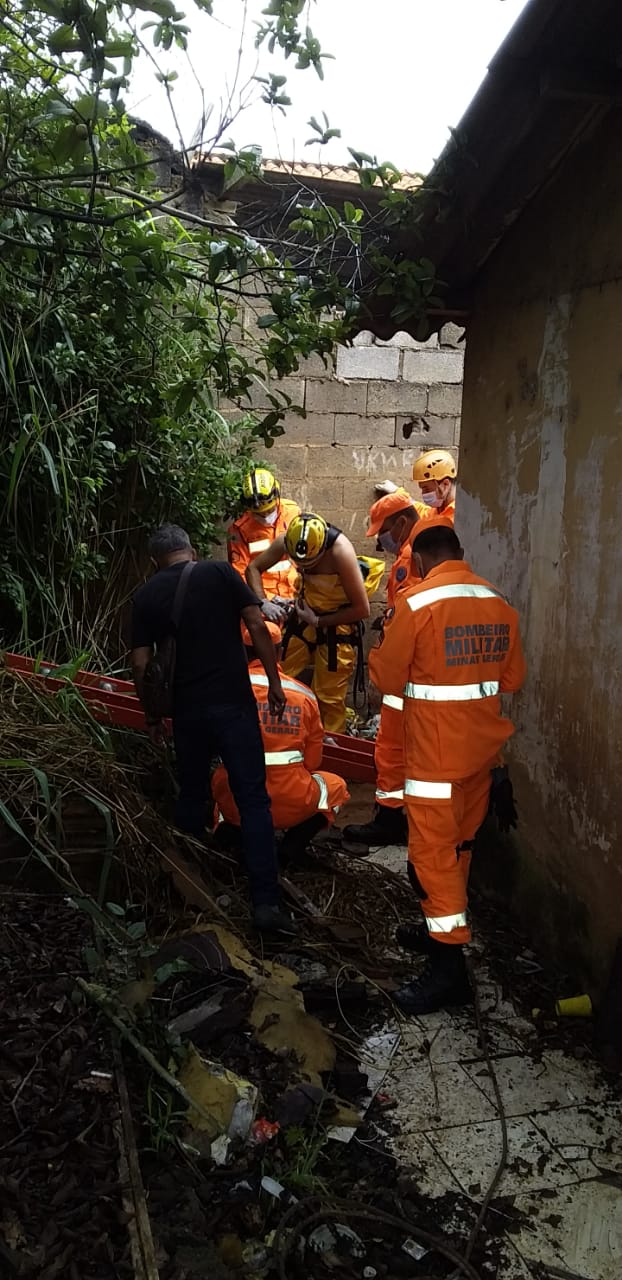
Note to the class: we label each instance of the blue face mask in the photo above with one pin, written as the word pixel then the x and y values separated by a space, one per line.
pixel 388 543
pixel 431 499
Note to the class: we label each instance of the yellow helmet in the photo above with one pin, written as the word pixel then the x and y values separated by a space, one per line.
pixel 436 464
pixel 306 538
pixel 260 490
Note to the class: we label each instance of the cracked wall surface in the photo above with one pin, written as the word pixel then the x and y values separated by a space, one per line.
pixel 540 509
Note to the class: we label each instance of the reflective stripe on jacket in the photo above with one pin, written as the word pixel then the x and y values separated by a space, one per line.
pixel 453 646
pixel 293 748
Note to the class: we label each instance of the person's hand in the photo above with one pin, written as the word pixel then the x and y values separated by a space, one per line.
pixel 385 486
pixel 276 699
pixel 272 611
pixel 306 614
pixel 156 732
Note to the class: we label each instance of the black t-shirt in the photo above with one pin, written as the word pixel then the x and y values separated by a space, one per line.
pixel 211 667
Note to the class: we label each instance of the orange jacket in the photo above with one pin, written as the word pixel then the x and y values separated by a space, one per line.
pixel 452 648
pixel 248 536
pixel 403 573
pixel 295 793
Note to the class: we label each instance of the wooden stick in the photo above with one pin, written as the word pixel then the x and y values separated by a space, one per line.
pixel 103 1002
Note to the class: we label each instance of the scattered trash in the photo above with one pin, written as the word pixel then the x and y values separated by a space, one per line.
pixel 201 950
pixel 281 1023
pixel 385 1101
pixel 370 729
pixel 308 971
pixel 273 1187
pixel 255 1256
pixel 380 1048
pixel 574 1007
pixel 229 1101
pixel 264 1131
pixel 414 1250
pixel 186 1022
pixel 220 1150
pixel 326 1239
pixel 296 1104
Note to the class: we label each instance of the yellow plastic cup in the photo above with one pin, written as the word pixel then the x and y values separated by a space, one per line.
pixel 574 1007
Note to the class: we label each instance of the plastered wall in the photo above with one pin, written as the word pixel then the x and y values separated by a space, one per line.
pixel 540 511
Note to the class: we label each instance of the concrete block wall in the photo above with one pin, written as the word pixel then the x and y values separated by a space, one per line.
pixel 367 420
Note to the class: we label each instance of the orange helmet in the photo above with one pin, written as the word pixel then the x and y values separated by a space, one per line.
pixel 436 464
pixel 389 505
pixel 436 522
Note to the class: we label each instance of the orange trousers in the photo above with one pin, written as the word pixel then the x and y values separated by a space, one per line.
pixel 295 795
pixel 389 756
pixel 436 830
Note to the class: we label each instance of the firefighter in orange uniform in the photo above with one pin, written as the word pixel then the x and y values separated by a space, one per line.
pixel 304 798
pixel 435 473
pixel 393 520
pixel 451 650
pixel 267 516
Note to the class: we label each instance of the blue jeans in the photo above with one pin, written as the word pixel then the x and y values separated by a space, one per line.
pixel 231 732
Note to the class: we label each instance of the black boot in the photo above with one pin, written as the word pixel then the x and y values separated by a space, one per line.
pixel 296 839
pixel 414 937
pixel 443 984
pixel 388 826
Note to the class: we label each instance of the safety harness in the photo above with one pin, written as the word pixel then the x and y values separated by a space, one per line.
pixel 329 636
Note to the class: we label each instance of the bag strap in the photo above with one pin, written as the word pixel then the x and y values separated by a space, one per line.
pixel 180 593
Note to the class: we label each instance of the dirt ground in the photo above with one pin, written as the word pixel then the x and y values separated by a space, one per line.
pixel 426 1151
pixel 62 1209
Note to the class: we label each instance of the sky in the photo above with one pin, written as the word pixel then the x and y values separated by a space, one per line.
pixel 404 71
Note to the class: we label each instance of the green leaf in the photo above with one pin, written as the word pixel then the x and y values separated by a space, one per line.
pixel 267 321
pixel 51 466
pixel 184 399
pixel 70 142
pixel 137 930
pixel 64 40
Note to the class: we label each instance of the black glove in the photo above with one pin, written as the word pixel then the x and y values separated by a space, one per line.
pixel 502 799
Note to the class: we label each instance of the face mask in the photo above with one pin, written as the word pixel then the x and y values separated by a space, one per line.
pixel 271 517
pixel 388 543
pixel 431 499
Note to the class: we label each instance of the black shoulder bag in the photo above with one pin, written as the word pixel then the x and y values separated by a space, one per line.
pixel 159 676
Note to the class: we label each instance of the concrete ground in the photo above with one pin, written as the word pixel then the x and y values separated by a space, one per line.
pixel 559 1203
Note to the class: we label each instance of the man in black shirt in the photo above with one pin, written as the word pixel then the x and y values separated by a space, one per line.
pixel 214 710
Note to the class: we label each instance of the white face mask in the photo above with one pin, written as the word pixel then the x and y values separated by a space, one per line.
pixel 271 517
pixel 431 499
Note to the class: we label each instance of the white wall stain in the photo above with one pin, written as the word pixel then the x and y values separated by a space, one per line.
pixel 378 462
